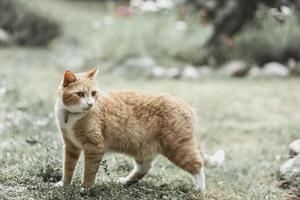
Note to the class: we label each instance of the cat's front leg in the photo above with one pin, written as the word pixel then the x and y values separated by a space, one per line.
pixel 92 160
pixel 71 156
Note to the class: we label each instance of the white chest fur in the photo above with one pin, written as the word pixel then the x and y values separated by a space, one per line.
pixel 68 126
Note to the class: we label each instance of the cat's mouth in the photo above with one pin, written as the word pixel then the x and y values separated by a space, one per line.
pixel 87 108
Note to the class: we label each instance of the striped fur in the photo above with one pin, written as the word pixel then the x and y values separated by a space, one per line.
pixel 138 124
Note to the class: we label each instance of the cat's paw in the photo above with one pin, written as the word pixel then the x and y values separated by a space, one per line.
pixel 126 181
pixel 84 190
pixel 200 188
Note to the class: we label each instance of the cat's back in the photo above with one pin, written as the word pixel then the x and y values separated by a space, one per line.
pixel 150 103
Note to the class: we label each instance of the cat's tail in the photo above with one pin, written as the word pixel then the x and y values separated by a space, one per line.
pixel 215 160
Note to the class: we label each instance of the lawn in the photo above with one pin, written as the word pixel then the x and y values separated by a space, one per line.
pixel 252 119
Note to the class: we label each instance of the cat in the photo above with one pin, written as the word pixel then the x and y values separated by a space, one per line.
pixel 141 125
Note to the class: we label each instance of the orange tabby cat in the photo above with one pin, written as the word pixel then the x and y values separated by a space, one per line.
pixel 141 125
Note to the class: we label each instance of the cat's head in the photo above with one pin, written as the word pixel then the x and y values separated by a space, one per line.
pixel 78 92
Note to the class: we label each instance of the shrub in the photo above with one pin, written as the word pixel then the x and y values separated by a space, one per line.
pixel 162 35
pixel 26 27
pixel 265 39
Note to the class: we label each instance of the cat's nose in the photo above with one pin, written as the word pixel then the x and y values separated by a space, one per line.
pixel 89 104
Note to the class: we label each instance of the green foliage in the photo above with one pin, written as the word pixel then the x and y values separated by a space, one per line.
pixel 50 169
pixel 154 35
pixel 25 26
pixel 266 39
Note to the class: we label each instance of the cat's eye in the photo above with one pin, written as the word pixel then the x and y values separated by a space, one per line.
pixel 80 94
pixel 94 93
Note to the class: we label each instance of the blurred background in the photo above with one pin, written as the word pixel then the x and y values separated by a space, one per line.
pixel 160 39
pixel 236 61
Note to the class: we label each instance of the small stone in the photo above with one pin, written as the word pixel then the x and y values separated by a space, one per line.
pixel 190 73
pixel 5 38
pixel 295 147
pixel 274 69
pixel 291 167
pixel 149 6
pixel 158 72
pixel 237 68
pixel 180 25
pixel 165 4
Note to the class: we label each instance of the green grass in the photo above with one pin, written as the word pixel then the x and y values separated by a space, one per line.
pixel 252 119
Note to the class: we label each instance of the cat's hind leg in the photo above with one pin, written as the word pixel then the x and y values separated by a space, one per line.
pixel 188 157
pixel 141 167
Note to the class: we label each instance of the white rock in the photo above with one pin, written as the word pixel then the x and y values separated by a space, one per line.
pixel 158 72
pixel 215 160
pixel 236 68
pixel 295 146
pixel 291 167
pixel 190 72
pixel 5 37
pixel 275 69
pixel 3 91
pixel 165 4
pixel 149 6
pixel 255 72
pixel 152 5
pixel 285 10
pixel 180 25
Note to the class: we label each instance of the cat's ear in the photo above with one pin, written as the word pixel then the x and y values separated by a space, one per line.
pixel 69 77
pixel 92 74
